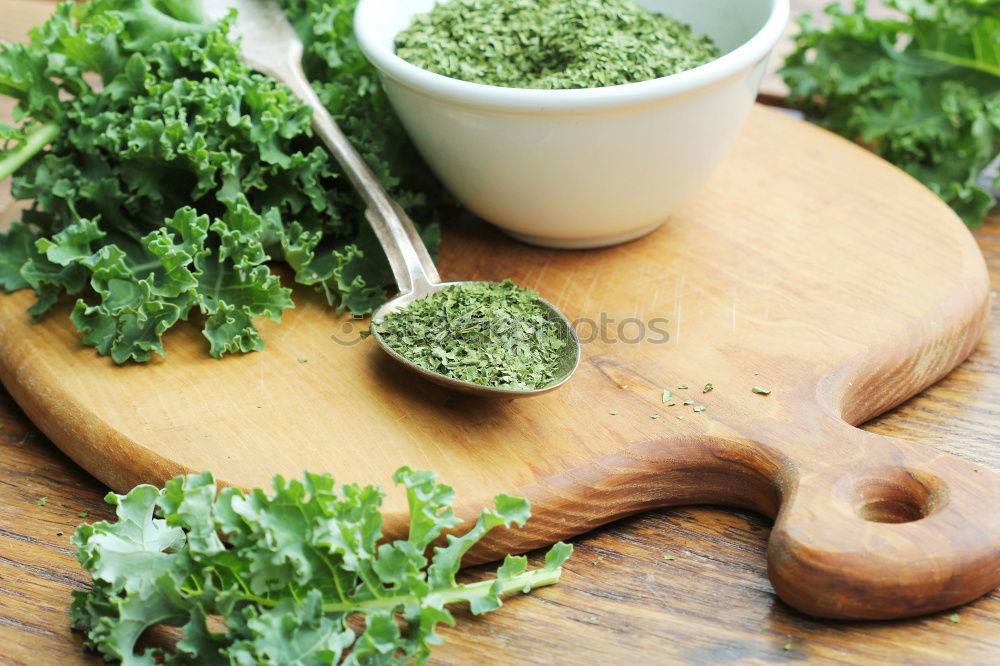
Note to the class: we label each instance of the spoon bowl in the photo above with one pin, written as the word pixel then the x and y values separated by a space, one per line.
pixel 568 363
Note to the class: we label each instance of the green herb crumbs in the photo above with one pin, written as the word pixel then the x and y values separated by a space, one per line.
pixel 42 501
pixel 761 391
pixel 613 412
pixel 487 333
pixel 600 558
pixel 955 618
pixel 654 416
pixel 689 401
pixel 302 360
pixel 48 466
pixel 59 533
pixel 551 44
pixel 708 387
pixel 671 403
pixel 666 395
pixel 811 538
pixel 683 386
pixel 680 416
pixel 786 646
pixel 668 557
pixel 83 514
pixel 699 408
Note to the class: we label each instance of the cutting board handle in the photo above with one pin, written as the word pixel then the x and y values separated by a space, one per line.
pixel 895 530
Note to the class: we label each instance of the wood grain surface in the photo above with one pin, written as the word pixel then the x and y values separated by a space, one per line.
pixel 619 598
pixel 842 317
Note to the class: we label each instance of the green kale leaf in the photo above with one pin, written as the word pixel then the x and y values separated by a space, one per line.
pixel 166 176
pixel 299 576
pixel 921 90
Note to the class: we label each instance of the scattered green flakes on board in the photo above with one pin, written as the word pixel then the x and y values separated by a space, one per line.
pixel 83 514
pixel 48 466
pixel 689 401
pixel 671 403
pixel 666 395
pixel 303 360
pixel 551 45
pixel 613 412
pixel 699 408
pixel 487 333
pixel 654 416
pixel 595 562
pixel 669 558
pixel 682 386
pixel 42 501
pixel 680 416
pixel 811 538
pixel 786 647
pixel 59 533
pixel 708 387
pixel 761 391
pixel 955 618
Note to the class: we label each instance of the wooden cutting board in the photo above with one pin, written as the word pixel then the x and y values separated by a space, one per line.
pixel 808 267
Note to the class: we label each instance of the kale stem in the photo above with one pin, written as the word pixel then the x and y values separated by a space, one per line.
pixel 263 601
pixel 959 61
pixel 37 140
pixel 528 580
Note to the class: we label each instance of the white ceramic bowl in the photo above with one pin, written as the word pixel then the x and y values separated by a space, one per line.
pixel 588 167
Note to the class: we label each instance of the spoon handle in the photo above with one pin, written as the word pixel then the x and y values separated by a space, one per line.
pixel 411 264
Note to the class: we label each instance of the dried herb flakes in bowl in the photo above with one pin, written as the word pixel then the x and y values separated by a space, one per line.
pixel 551 44
pixel 487 333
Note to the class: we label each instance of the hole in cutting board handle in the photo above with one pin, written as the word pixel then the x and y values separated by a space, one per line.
pixel 897 495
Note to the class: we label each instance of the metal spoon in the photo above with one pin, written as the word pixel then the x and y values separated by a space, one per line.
pixel 270 45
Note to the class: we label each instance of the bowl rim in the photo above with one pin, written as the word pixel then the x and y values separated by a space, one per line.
pixel 746 55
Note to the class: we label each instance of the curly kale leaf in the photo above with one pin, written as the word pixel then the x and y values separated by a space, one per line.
pixel 291 576
pixel 173 174
pixel 922 90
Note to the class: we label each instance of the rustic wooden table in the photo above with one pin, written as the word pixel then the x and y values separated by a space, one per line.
pixel 619 600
